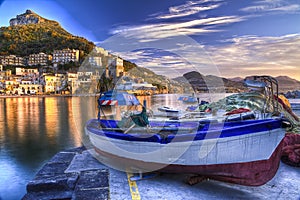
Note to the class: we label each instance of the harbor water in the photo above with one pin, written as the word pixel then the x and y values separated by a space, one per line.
pixel 33 129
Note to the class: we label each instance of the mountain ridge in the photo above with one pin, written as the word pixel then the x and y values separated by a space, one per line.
pixel 210 83
pixel 200 82
pixel 287 83
pixel 30 33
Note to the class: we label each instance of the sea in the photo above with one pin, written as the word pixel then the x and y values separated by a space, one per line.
pixel 33 129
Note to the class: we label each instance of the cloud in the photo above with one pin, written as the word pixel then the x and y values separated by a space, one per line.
pixel 161 25
pixel 150 32
pixel 159 61
pixel 239 56
pixel 189 8
pixel 187 11
pixel 275 55
pixel 272 6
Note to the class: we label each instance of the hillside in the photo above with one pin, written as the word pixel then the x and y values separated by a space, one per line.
pixel 210 83
pixel 287 84
pixel 236 79
pixel 149 76
pixel 29 33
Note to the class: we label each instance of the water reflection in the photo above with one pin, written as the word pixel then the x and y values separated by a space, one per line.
pixel 84 108
pixel 32 130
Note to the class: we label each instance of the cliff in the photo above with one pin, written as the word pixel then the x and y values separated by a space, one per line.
pixel 29 17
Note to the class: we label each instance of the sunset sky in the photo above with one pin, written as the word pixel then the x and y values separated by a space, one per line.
pixel 228 38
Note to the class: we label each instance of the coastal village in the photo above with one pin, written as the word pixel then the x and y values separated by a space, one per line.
pixel 62 71
pixel 226 146
pixel 39 74
pixel 71 65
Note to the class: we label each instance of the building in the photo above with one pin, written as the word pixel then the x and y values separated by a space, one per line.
pixel 39 59
pixel 85 77
pixel 10 86
pixel 115 67
pixel 101 51
pixel 5 75
pixel 27 86
pixel 72 81
pixel 52 83
pixel 95 60
pixel 27 72
pixel 141 88
pixel 65 56
pixel 12 60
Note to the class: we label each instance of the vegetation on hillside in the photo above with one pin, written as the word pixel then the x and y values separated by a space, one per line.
pixel 23 40
pixel 161 82
pixel 128 65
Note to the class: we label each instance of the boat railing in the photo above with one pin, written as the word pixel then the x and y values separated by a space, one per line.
pixel 269 86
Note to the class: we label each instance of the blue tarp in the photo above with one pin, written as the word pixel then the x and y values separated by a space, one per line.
pixel 123 98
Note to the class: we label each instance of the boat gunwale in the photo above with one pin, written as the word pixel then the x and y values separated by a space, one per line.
pixel 250 126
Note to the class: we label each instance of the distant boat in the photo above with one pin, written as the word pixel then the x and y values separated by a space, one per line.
pixel 168 109
pixel 188 99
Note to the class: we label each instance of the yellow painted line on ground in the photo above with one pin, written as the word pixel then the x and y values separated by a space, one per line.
pixel 135 195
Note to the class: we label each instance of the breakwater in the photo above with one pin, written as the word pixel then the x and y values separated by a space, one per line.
pixel 70 174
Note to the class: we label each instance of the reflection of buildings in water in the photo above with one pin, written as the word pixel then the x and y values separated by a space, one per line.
pixel 22 115
pixel 16 117
pixel 147 99
pixel 71 125
pixel 83 109
pixel 2 121
pixel 167 100
pixel 10 116
pixel 76 114
pixel 51 118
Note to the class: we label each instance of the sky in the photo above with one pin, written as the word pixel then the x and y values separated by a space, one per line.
pixel 228 38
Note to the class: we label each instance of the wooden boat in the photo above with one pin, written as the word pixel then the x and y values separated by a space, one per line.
pixel 245 152
pixel 241 149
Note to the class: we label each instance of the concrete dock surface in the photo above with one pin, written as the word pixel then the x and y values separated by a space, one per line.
pixel 76 174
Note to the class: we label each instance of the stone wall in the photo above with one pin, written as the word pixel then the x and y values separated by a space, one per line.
pixel 71 174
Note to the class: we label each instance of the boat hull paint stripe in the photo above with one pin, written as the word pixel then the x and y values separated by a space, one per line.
pixel 236 149
pixel 211 133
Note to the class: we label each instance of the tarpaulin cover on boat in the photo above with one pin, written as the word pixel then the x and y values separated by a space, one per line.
pixel 122 98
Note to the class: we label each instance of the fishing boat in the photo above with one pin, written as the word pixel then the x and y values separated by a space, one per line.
pixel 243 151
pixel 246 152
pixel 188 99
pixel 167 111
